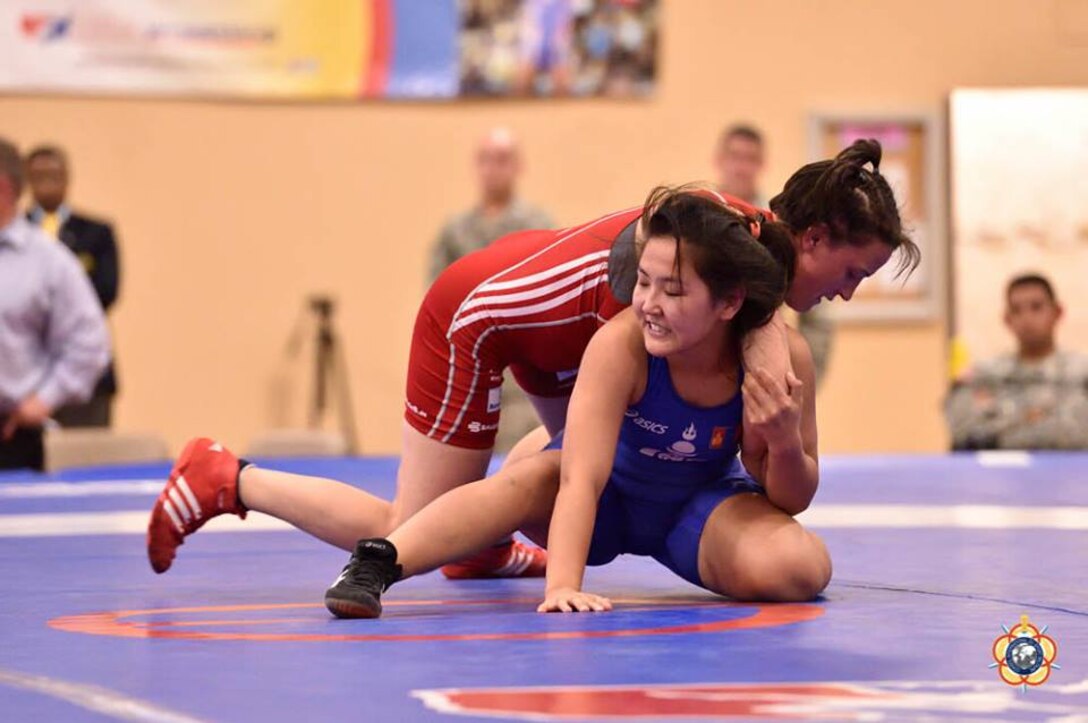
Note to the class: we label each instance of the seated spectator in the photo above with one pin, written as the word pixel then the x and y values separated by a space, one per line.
pixel 1036 398
pixel 53 338
pixel 93 243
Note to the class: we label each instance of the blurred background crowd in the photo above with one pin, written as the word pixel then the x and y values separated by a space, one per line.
pixel 156 246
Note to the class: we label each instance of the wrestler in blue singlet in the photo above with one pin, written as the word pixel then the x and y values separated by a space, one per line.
pixel 674 464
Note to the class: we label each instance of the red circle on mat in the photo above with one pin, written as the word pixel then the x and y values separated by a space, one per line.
pixel 119 623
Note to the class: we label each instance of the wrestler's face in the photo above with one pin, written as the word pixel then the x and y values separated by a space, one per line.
pixel 827 269
pixel 674 304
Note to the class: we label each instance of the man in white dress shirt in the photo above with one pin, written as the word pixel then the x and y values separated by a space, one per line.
pixel 53 338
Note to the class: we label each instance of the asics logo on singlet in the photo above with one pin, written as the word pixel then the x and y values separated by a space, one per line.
pixel 415 410
pixel 478 427
pixel 648 424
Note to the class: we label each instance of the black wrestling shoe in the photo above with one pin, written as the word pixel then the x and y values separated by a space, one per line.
pixel 357 593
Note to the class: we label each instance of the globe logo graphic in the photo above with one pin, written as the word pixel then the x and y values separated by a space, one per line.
pixel 1024 656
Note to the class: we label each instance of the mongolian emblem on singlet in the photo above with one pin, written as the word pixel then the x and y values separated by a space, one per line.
pixel 684 447
pixel 1024 655
pixel 682 450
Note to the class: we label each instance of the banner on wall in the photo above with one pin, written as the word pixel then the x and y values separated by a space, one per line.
pixel 329 49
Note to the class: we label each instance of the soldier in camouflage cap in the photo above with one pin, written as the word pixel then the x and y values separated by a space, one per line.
pixel 1035 398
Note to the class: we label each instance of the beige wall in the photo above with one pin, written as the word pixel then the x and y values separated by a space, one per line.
pixel 230 213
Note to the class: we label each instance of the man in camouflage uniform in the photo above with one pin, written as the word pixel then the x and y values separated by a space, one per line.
pixel 1036 398
pixel 499 212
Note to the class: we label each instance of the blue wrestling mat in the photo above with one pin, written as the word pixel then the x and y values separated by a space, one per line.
pixel 936 558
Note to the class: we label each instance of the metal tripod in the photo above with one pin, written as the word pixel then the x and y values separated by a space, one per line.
pixel 330 373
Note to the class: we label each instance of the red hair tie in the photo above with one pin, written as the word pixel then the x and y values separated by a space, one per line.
pixel 754 225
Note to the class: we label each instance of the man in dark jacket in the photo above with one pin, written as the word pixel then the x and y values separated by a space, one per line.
pixel 93 243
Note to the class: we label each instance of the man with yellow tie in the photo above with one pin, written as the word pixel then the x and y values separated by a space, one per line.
pixel 93 243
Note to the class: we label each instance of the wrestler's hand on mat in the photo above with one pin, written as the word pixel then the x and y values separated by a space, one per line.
pixel 569 600
pixel 772 411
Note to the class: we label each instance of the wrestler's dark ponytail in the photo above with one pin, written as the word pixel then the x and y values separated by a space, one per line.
pixel 849 194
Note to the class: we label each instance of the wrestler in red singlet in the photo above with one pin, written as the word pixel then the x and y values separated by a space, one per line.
pixel 530 301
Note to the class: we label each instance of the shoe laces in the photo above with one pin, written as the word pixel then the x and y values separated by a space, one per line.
pixel 371 574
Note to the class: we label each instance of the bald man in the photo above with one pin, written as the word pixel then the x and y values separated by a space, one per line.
pixel 497 212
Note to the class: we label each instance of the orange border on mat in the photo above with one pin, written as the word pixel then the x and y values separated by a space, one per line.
pixel 116 624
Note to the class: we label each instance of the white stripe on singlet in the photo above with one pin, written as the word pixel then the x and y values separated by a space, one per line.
pixel 515 312
pixel 501 327
pixel 581 267
pixel 539 324
pixel 531 279
pixel 451 369
pixel 492 283
pixel 566 237
pixel 589 278
pixel 464 406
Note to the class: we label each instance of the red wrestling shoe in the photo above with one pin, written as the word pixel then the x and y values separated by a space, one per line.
pixel 509 559
pixel 202 485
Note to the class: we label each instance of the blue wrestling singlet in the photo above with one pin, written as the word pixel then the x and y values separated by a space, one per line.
pixel 674 464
